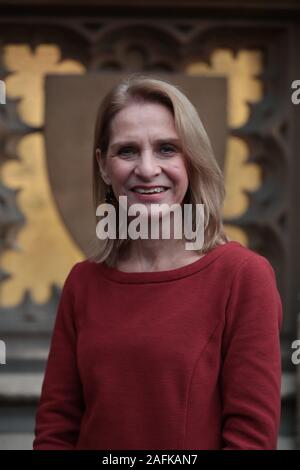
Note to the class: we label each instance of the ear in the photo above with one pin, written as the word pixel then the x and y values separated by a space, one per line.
pixel 102 166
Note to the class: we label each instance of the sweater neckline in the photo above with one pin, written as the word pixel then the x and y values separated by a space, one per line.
pixel 168 275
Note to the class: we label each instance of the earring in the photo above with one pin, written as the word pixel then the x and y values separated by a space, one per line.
pixel 187 196
pixel 109 196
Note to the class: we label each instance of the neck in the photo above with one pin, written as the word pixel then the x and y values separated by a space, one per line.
pixel 155 255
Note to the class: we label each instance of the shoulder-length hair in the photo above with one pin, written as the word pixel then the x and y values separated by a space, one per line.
pixel 206 183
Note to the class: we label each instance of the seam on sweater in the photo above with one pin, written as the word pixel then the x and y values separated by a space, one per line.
pixel 207 344
pixel 234 277
pixel 230 297
pixel 72 290
pixel 159 281
pixel 220 322
pixel 233 280
pixel 230 292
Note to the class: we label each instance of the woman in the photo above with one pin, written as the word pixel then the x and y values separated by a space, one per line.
pixel 156 346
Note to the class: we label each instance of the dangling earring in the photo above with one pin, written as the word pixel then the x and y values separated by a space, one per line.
pixel 109 196
pixel 187 197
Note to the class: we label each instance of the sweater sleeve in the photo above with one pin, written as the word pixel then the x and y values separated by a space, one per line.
pixel 61 403
pixel 251 370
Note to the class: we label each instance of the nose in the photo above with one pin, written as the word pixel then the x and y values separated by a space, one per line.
pixel 147 165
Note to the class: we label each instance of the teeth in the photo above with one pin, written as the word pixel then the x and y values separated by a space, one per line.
pixel 149 191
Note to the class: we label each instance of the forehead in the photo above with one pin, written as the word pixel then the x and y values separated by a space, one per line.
pixel 143 117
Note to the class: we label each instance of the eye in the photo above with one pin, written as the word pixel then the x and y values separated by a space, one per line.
pixel 126 151
pixel 167 149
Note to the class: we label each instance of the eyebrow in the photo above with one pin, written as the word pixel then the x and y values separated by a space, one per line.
pixel 170 140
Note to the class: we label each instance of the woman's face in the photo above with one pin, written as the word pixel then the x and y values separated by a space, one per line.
pixel 144 154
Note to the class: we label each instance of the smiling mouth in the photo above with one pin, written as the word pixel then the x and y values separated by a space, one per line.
pixel 155 190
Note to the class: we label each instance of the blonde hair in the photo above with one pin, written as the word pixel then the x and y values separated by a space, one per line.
pixel 206 183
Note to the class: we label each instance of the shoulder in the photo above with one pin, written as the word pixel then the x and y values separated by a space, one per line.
pixel 81 272
pixel 253 292
pixel 249 277
pixel 239 260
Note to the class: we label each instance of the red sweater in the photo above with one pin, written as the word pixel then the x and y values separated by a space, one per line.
pixel 182 359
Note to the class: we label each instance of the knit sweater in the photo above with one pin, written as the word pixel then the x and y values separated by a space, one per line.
pixel 187 358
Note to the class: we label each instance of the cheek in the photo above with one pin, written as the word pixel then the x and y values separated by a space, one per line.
pixel 119 171
pixel 179 174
